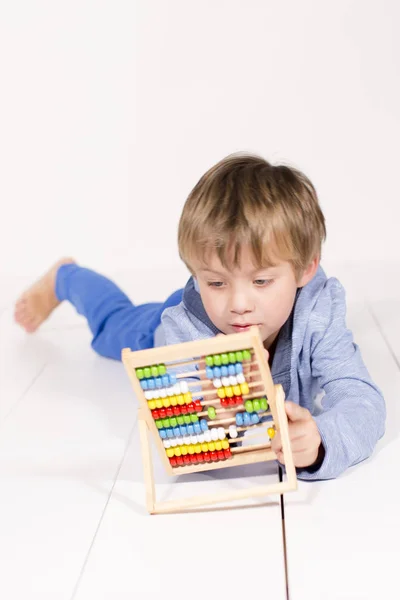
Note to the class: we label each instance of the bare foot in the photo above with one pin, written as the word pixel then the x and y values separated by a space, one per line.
pixel 38 302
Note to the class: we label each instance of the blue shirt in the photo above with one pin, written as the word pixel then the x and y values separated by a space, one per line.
pixel 315 353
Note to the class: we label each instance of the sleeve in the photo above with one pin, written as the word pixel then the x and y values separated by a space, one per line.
pixel 180 326
pixel 353 409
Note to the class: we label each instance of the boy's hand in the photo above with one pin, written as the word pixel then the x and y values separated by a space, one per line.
pixel 304 436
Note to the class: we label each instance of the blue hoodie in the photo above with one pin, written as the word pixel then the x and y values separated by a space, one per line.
pixel 315 353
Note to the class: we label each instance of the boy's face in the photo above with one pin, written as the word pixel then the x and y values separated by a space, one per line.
pixel 236 299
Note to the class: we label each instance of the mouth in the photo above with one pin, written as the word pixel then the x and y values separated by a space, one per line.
pixel 243 326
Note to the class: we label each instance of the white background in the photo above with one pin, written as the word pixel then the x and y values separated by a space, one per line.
pixel 110 111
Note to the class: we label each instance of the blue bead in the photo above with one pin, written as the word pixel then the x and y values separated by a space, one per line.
pixel 197 428
pixel 190 429
pixel 254 419
pixel 152 384
pixel 165 380
pixel 239 419
pixel 163 433
pixel 231 370
pixel 144 384
pixel 170 433
pixel 172 378
pixel 239 368
pixel 246 419
pixel 217 372
pixel 158 382
pixel 183 429
pixel 209 373
pixel 177 431
pixel 224 371
pixel 203 424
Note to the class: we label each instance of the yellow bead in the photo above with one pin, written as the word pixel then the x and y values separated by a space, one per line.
pixel 204 447
pixel 191 449
pixel 229 391
pixel 221 392
pixel 159 403
pixel 271 432
pixel 188 397
pixel 151 404
pixel 236 390
pixel 173 401
pixel 244 388
pixel 166 402
pixel 197 448
pixel 225 444
pixel 211 446
pixel 177 451
pixel 170 452
pixel 218 445
pixel 184 450
pixel 181 400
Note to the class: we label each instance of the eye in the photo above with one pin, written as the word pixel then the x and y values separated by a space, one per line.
pixel 216 284
pixel 262 282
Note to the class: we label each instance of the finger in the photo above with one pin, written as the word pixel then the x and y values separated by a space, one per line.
pixel 276 443
pixel 299 430
pixel 296 412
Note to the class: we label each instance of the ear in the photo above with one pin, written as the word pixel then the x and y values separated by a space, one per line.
pixel 309 272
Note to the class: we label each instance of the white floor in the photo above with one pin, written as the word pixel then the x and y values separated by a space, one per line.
pixel 72 519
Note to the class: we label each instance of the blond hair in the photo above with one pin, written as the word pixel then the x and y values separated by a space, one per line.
pixel 244 200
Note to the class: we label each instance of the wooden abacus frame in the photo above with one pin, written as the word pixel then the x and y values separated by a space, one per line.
pixel 262 452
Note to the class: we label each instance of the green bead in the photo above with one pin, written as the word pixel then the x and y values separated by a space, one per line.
pixel 139 373
pixel 239 356
pixel 159 424
pixel 249 406
pixel 180 420
pixel 165 422
pixel 209 361
pixel 217 360
pixel 224 359
pixel 162 369
pixel 256 406
pixel 263 404
pixel 211 412
pixel 173 421
pixel 186 419
pixel 154 371
pixel 147 372
pixel 232 357
pixel 246 355
pixel 194 418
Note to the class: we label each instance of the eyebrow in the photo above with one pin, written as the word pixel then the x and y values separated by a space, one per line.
pixel 270 268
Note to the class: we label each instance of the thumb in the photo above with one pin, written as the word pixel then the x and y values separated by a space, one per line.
pixel 296 412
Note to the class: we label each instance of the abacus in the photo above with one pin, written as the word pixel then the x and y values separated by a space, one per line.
pixel 200 401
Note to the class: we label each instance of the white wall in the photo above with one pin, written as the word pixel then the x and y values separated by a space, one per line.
pixel 110 111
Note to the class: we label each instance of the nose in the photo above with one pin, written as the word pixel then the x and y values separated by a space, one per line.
pixel 240 303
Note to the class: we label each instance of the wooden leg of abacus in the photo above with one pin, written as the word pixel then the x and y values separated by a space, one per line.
pixel 147 463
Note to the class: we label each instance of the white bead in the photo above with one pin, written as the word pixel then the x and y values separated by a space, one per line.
pixel 232 380
pixel 156 394
pixel 240 378
pixel 163 393
pixel 148 395
pixel 173 442
pixel 200 438
pixel 225 381
pixel 217 383
pixel 184 387
pixel 177 389
pixel 179 440
pixel 233 431
pixel 214 434
pixel 207 435
pixel 187 439
pixel 193 439
pixel 221 433
pixel 170 391
pixel 167 443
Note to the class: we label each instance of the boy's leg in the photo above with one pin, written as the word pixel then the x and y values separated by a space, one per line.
pixel 113 320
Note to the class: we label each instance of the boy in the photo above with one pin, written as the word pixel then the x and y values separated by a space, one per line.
pixel 250 234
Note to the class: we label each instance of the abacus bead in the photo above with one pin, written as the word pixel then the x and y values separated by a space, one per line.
pixel 165 380
pixel 218 445
pixel 177 431
pixel 167 443
pixel 186 459
pixel 148 395
pixel 246 418
pixel 183 429
pixel 173 422
pixel 200 457
pixel 191 449
pixel 232 357
pixel 169 412
pixel 227 453
pixel 191 407
pixel 180 420
pixel 236 390
pixel 207 456
pixel 238 368
pixel 248 406
pixel 209 361
pixel 263 404
pixel 163 413
pixel 179 460
pixel 204 447
pixel 239 356
pixel 180 399
pixel 188 397
pixel 184 387
pixel 217 383
pixel 159 424
pixel 166 402
pixel 139 373
pixel 232 380
pixel 186 419
pixel 193 459
pixel 203 424
pixel 209 373
pixel 184 410
pixel 238 400
pixel 216 372
pixel 217 360
pixel 197 428
pixel 207 436
pixel 221 455
pixel 156 414
pixel 221 433
pixel 163 434
pixel 163 393
pixel 172 461
pixel 211 412
pixel 224 359
pixel 271 432
pixel 172 378
pixel 184 449
pixel 214 434
pixel 229 392
pixel 170 391
pixel 232 401
pixel 154 371
pixel 197 404
pixel 162 369
pixel 211 446
pixel 193 439
pixel 233 431
pixel 240 378
pixel 200 438
pixel 225 444
pixel 231 370
pixel 158 382
pixel 224 401
pixel 190 429
pixel 170 433
pixel 170 452
pixel 221 393
pixel 152 384
pixel 144 385
pixel 197 448
pixel 239 419
pixel 147 372
pixel 224 371
pixel 256 405
pixel 225 381
pixel 177 451
pixel 255 418
pixel 159 403
pixel 244 388
pixel 246 355
pixel 151 404
pixel 214 456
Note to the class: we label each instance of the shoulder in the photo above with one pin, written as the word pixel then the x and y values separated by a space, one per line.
pixel 180 325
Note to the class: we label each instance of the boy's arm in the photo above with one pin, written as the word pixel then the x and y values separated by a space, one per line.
pixel 353 409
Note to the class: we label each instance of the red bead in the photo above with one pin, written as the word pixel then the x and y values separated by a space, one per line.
pixel 179 460
pixel 200 457
pixel 193 458
pixel 176 410
pixel 163 413
pixel 207 456
pixel 221 455
pixel 239 400
pixel 169 412
pixel 213 456
pixel 224 402
pixel 172 461
pixel 232 401
pixel 227 453
pixel 191 408
pixel 156 414
pixel 184 409
pixel 197 404
pixel 186 459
